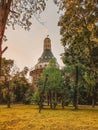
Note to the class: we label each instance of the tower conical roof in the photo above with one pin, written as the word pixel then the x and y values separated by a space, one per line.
pixel 47 54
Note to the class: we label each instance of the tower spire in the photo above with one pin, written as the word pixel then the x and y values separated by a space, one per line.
pixel 47 43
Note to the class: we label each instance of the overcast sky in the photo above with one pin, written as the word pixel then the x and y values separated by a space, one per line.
pixel 26 47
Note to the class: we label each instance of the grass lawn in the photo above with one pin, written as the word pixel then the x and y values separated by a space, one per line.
pixel 27 117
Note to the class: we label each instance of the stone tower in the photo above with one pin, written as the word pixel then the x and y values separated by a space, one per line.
pixel 42 62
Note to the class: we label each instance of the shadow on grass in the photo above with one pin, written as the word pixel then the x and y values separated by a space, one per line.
pixel 85 108
pixel 81 108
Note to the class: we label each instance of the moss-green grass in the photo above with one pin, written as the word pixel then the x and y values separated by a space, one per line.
pixel 27 117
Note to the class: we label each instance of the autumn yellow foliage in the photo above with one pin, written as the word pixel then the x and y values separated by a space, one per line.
pixel 27 117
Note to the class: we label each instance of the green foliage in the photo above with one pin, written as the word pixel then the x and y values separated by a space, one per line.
pixel 28 96
pixel 50 84
pixel 15 87
pixel 77 27
pixel 1 91
pixel 67 90
pixel 7 65
pixel 94 54
pixel 36 98
pixel 40 83
pixel 54 76
pixel 20 86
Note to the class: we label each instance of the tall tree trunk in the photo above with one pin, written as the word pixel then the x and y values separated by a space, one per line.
pixel 4 12
pixel 41 103
pixel 42 95
pixel 55 100
pixel 8 94
pixel 62 102
pixel 93 101
pixel 93 69
pixel 50 99
pixel 94 97
pixel 76 90
pixel 8 101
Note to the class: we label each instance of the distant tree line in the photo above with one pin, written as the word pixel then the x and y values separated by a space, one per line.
pixel 14 87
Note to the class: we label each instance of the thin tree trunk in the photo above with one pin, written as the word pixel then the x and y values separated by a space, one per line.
pixel 93 102
pixel 94 97
pixel 63 101
pixel 76 90
pixel 8 101
pixel 93 69
pixel 50 99
pixel 42 95
pixel 41 103
pixel 8 95
pixel 55 100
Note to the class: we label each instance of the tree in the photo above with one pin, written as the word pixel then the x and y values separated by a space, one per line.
pixel 54 82
pixel 69 85
pixel 21 86
pixel 78 26
pixel 5 84
pixel 15 87
pixel 65 91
